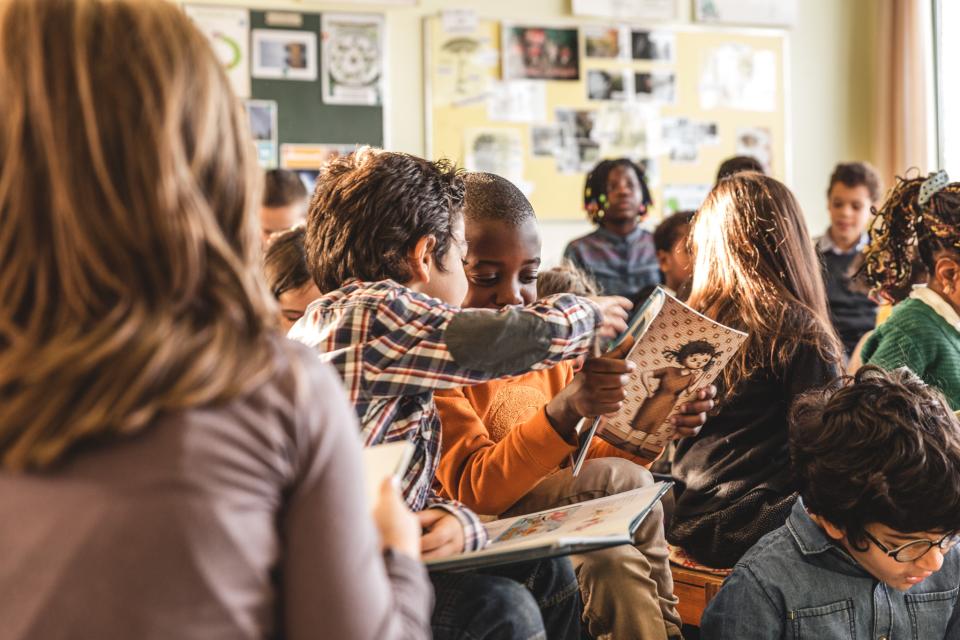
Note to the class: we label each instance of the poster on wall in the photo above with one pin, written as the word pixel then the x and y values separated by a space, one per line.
pixel 466 69
pixel 655 86
pixel 653 45
pixel 736 76
pixel 600 41
pixel 352 58
pixel 311 156
pixel 540 53
pixel 228 31
pixel 580 149
pixel 637 9
pixel 781 13
pixel 262 118
pixel 755 142
pixel 284 54
pixel 606 85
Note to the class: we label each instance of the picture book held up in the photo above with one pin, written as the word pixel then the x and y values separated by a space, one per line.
pixel 677 352
pixel 595 524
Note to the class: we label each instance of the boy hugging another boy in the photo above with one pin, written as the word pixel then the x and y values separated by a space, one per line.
pixel 867 550
pixel 504 441
pixel 385 244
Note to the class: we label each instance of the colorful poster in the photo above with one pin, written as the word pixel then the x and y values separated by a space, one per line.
pixel 285 54
pixel 228 30
pixel 311 156
pixel 352 58
pixel 262 118
pixel 541 53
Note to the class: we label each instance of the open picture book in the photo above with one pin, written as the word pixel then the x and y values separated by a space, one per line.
pixel 577 528
pixel 677 352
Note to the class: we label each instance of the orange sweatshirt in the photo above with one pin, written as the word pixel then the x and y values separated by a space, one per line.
pixel 497 442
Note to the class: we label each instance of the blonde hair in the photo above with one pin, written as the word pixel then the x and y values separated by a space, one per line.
pixel 129 266
pixel 565 278
pixel 755 269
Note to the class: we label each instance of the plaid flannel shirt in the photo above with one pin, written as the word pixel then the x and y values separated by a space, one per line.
pixel 622 266
pixel 390 345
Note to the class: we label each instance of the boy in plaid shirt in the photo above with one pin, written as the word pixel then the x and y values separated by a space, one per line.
pixel 385 242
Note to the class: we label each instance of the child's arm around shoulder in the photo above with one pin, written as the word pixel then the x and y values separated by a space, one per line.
pixel 743 610
pixel 416 343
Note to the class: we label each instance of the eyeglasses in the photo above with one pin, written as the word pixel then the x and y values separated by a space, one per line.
pixel 915 549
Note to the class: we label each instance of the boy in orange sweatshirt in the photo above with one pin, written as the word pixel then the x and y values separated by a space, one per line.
pixel 503 441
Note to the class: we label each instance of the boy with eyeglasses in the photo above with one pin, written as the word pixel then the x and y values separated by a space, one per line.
pixel 867 549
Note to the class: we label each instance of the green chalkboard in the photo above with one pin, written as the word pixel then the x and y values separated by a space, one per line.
pixel 302 116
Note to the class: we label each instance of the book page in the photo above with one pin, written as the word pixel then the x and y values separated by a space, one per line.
pixel 679 352
pixel 381 462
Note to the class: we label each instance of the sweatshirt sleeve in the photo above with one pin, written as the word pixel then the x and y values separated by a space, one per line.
pixel 334 576
pixel 490 476
pixel 419 344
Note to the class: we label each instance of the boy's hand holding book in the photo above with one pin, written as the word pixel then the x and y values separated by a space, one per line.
pixel 597 389
pixel 442 533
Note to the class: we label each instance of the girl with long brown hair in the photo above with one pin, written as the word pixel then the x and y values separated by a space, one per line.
pixel 917 233
pixel 166 468
pixel 754 270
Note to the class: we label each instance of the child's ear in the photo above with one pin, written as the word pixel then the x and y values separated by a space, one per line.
pixel 662 259
pixel 946 270
pixel 421 260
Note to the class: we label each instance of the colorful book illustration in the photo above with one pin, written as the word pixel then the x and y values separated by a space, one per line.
pixel 383 461
pixel 677 351
pixel 577 528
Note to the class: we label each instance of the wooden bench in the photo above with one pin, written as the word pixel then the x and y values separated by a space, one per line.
pixel 694 589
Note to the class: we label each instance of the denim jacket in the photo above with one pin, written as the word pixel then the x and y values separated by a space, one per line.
pixel 794 583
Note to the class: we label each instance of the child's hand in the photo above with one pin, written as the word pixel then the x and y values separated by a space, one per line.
pixel 398 526
pixel 691 416
pixel 614 310
pixel 597 389
pixel 442 533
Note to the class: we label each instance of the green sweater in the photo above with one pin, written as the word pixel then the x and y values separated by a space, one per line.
pixel 917 337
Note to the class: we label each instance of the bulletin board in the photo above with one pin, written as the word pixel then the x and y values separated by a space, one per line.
pixel 727 96
pixel 312 84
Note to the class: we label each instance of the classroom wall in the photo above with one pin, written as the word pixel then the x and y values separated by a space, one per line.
pixel 831 75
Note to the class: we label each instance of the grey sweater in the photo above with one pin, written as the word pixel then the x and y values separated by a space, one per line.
pixel 239 521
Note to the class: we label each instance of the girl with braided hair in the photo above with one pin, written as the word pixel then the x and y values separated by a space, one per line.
pixel 919 224
pixel 619 255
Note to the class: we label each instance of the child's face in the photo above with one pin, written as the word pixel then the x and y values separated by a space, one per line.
pixel 502 263
pixel 624 196
pixel 274 220
pixel 293 302
pixel 849 211
pixel 697 360
pixel 899 575
pixel 450 283
pixel 676 263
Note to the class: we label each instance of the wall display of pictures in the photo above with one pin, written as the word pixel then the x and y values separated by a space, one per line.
pixel 652 45
pixel 228 31
pixel 541 53
pixel 606 85
pixel 262 119
pixel 285 54
pixel 352 58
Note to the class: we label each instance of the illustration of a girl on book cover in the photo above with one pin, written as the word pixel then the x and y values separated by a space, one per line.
pixel 665 385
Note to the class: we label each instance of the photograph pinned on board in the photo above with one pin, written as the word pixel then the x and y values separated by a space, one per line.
pixel 755 142
pixel 628 129
pixel 541 53
pixel 546 140
pixel 684 137
pixel 311 156
pixel 352 58
pixel 228 31
pixel 601 42
pixel 605 85
pixel 737 76
pixel 655 86
pixel 282 54
pixel 653 45
pixel 262 119
pixel 494 150
pixel 580 149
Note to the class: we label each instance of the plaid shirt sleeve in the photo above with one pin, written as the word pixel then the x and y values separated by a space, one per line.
pixel 474 535
pixel 412 346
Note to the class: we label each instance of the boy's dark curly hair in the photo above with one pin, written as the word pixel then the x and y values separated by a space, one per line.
pixel 370 208
pixel 879 447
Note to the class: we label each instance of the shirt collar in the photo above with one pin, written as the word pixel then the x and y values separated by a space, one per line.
pixel 826 245
pixel 809 536
pixel 932 299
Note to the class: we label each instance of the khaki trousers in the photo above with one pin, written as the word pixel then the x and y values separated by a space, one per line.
pixel 627 590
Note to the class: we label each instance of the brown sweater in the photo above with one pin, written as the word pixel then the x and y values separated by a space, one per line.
pixel 240 521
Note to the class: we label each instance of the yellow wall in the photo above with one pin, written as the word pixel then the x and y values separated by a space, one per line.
pixel 830 74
